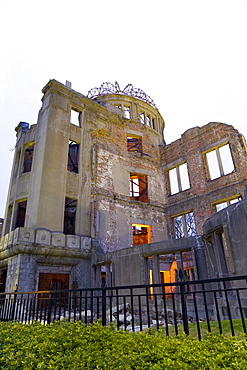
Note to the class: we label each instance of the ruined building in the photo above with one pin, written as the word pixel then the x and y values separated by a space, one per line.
pixel 96 195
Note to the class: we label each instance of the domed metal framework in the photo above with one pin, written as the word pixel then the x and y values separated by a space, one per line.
pixel 107 89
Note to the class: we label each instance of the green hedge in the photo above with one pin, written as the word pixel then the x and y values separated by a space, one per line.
pixel 76 346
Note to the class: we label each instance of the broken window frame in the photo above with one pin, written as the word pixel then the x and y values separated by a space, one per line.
pixel 134 143
pixel 70 208
pixel 73 157
pixel 20 216
pixel 143 232
pixel 184 225
pixel 179 182
pixel 28 158
pixel 217 167
pixel 75 117
pixel 125 110
pixel 138 187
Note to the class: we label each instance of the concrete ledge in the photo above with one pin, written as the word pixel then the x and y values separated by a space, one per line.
pixel 5 241
pixel 86 244
pixel 43 241
pixel 24 235
pixel 73 241
pixel 43 237
pixel 58 239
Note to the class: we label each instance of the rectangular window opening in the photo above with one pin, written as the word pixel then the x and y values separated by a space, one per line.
pixel 153 123
pixel 184 225
pixel 21 214
pixel 138 187
pixel 75 117
pixel 220 162
pixel 179 178
pixel 142 118
pixel 148 120
pixel 226 202
pixel 69 216
pixel 127 112
pixel 73 157
pixel 28 159
pixel 133 144
pixel 168 273
pixel 141 234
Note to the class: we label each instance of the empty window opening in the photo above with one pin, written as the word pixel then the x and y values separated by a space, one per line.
pixel 138 187
pixel 69 216
pixel 141 234
pixel 179 178
pixel 148 120
pixel 21 214
pixel 184 225
pixel 28 159
pixel 225 203
pixel 73 156
pixel 220 162
pixel 153 123
pixel 168 273
pixel 133 144
pixel 142 118
pixel 127 112
pixel 75 117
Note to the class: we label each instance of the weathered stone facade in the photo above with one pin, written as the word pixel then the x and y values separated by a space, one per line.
pixel 105 197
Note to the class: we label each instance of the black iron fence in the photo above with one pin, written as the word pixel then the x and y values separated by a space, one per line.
pixel 175 307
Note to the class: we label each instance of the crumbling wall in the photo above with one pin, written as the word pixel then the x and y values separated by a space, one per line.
pixel 203 193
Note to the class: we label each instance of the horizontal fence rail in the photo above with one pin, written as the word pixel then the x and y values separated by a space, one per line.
pixel 174 307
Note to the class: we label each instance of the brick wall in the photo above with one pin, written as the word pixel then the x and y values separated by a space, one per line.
pixel 191 147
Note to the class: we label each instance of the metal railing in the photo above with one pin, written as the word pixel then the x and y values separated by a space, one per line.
pixel 173 307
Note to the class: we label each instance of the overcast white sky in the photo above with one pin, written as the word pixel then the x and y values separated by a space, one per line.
pixel 190 56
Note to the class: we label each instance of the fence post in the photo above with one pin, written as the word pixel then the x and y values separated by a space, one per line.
pixel 49 309
pixel 184 308
pixel 12 316
pixel 103 306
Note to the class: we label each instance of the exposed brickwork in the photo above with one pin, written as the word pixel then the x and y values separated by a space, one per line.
pixel 203 191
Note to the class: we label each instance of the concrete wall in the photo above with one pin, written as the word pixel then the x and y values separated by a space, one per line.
pixel 232 224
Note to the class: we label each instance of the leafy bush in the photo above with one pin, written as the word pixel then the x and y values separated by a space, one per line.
pixel 77 346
